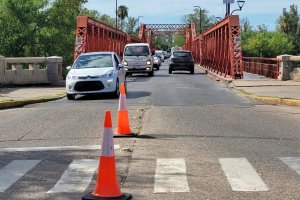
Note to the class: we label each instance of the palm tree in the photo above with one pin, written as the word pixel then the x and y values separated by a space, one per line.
pixel 122 14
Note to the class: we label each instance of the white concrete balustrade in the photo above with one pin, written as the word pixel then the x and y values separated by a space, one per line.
pixel 37 70
pixel 287 69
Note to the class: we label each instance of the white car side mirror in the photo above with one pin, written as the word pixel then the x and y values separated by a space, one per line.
pixel 69 67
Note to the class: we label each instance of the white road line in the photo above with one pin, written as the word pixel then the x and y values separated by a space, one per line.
pixel 14 171
pixel 292 162
pixel 61 148
pixel 241 175
pixel 170 176
pixel 77 177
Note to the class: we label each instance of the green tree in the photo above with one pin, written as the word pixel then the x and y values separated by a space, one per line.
pixel 130 26
pixel 178 40
pixel 206 20
pixel 122 14
pixel 263 43
pixel 60 33
pixel 20 24
pixel 245 25
pixel 288 23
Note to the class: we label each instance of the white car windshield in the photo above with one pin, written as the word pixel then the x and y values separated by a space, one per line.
pixel 137 51
pixel 93 61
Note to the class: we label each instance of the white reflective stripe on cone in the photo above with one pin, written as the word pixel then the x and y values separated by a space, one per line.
pixel 107 143
pixel 122 102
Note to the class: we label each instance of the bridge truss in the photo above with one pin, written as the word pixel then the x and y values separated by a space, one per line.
pixel 217 49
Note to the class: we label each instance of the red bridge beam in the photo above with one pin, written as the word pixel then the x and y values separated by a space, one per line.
pixel 219 48
pixel 92 35
pixel 268 67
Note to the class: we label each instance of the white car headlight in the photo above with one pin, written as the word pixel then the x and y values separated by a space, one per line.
pixel 71 77
pixel 148 62
pixel 125 63
pixel 108 75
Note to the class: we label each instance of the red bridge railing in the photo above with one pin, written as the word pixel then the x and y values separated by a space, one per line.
pixel 268 67
pixel 219 48
pixel 92 35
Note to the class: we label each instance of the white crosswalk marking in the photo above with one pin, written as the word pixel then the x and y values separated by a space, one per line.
pixel 170 176
pixel 241 175
pixel 14 171
pixel 61 148
pixel 292 162
pixel 77 177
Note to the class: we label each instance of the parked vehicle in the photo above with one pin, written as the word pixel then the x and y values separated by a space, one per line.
pixel 181 60
pixel 160 54
pixel 137 58
pixel 97 72
pixel 156 62
pixel 174 49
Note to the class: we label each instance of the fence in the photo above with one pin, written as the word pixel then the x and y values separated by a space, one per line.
pixel 92 35
pixel 219 48
pixel 268 67
pixel 31 70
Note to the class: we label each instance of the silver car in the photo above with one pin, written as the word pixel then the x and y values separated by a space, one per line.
pixel 97 72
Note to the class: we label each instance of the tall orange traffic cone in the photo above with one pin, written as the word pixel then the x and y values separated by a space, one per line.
pixel 107 186
pixel 123 127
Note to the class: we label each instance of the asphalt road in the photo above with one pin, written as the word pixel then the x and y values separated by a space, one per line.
pixel 198 140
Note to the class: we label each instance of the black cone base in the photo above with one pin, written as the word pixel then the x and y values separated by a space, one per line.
pixel 125 135
pixel 90 196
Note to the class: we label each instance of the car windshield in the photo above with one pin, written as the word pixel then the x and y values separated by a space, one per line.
pixel 137 51
pixel 182 54
pixel 93 61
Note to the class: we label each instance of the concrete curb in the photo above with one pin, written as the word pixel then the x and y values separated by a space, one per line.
pixel 20 103
pixel 272 100
pixel 265 99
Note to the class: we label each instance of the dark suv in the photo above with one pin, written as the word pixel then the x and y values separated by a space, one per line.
pixel 181 60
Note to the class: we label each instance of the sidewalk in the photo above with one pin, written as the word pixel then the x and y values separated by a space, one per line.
pixel 263 89
pixel 20 96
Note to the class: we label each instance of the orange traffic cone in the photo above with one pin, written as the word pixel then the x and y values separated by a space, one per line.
pixel 123 127
pixel 107 186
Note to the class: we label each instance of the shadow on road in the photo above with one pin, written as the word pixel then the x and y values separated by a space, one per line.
pixel 137 94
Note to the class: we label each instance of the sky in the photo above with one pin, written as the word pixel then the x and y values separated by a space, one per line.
pixel 171 11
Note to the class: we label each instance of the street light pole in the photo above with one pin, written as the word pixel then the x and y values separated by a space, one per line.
pixel 228 9
pixel 200 18
pixel 139 22
pixel 116 14
pixel 240 4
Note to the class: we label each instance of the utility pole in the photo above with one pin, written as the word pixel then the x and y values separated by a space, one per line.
pixel 200 19
pixel 116 14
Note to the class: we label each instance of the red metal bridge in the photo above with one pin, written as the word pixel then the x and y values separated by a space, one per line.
pixel 218 49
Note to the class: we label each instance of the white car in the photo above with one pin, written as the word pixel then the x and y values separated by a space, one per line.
pixel 137 58
pixel 156 62
pixel 97 72
pixel 160 54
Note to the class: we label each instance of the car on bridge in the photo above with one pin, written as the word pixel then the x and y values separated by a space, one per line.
pixel 97 72
pixel 181 60
pixel 156 62
pixel 137 58
pixel 160 54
